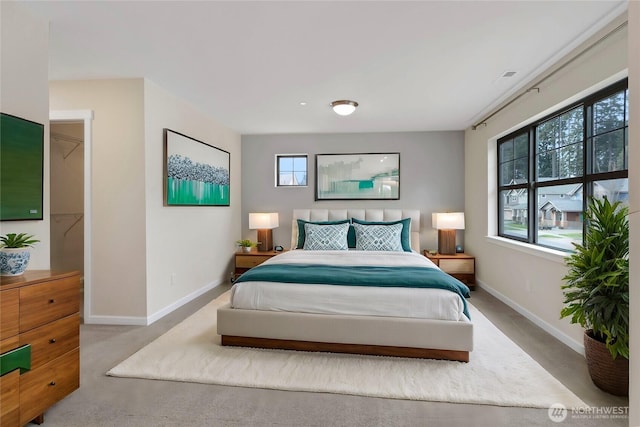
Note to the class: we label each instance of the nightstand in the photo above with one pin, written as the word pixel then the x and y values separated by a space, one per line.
pixel 247 260
pixel 461 266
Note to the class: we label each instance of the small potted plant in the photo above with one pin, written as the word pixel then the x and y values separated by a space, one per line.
pixel 246 244
pixel 14 253
pixel 596 294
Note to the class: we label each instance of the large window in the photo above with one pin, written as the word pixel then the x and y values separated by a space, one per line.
pixel 548 169
pixel 291 170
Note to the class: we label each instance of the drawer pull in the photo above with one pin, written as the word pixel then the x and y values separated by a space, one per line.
pixel 52 341
pixel 51 301
pixel 52 383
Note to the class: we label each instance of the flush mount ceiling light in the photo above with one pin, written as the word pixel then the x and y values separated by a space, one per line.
pixel 344 107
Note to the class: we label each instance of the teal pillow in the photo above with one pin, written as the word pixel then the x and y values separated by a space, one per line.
pixel 351 237
pixel 301 233
pixel 405 235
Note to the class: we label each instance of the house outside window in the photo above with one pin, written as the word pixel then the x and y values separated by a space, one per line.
pixel 291 170
pixel 556 163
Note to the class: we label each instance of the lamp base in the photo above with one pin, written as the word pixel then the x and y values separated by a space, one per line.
pixel 265 239
pixel 447 242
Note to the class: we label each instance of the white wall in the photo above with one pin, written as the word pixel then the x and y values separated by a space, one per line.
pixel 634 188
pixel 118 282
pixel 24 75
pixel 189 249
pixel 529 280
pixel 148 259
pixel 431 175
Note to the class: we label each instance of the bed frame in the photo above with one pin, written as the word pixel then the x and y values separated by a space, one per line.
pixel 376 335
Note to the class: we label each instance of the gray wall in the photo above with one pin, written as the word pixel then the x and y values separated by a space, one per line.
pixel 431 175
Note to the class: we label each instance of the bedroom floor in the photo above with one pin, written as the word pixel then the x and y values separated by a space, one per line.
pixel 107 401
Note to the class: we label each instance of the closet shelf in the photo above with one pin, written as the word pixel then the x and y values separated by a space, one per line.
pixel 78 217
pixel 59 137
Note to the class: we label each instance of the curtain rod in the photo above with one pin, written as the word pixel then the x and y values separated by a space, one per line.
pixel 554 72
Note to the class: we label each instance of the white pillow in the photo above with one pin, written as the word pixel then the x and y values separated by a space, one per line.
pixel 326 237
pixel 378 237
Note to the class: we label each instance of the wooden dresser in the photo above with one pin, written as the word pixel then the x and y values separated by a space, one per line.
pixel 40 338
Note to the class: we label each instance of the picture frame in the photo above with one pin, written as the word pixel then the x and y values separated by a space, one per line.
pixel 21 169
pixel 358 176
pixel 195 173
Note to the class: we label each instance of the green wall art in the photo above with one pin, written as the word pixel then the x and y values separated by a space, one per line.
pixel 196 173
pixel 21 168
pixel 365 176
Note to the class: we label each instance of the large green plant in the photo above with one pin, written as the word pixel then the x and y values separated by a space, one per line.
pixel 597 284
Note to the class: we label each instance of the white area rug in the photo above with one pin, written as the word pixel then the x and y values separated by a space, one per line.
pixel 499 373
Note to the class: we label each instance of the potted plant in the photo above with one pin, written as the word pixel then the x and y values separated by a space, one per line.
pixel 14 253
pixel 597 294
pixel 246 244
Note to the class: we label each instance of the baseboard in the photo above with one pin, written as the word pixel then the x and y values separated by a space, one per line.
pixel 547 327
pixel 115 320
pixel 144 321
pixel 182 301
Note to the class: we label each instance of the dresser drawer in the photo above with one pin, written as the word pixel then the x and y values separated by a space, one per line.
pixel 10 398
pixel 48 301
pixel 9 344
pixel 250 261
pixel 454 266
pixel 52 340
pixel 9 313
pixel 40 388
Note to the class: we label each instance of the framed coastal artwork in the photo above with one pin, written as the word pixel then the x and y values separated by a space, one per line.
pixel 362 176
pixel 195 173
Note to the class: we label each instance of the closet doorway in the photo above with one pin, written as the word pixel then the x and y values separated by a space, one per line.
pixel 70 172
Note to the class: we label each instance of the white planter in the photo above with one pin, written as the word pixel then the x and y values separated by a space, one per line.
pixel 14 261
pixel 246 248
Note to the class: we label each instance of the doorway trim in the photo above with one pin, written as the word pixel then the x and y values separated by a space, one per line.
pixel 85 117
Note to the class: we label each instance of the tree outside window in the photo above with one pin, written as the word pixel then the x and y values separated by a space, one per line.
pixel 548 169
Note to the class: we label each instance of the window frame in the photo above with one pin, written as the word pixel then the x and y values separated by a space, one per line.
pixel 291 156
pixel 532 185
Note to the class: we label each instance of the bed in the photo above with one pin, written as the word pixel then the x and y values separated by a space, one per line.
pixel 278 306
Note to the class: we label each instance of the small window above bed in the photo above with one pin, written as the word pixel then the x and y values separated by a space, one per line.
pixel 291 170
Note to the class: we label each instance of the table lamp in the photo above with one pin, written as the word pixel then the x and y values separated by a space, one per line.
pixel 447 223
pixel 264 223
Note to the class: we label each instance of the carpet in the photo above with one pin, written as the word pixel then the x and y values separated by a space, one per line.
pixel 499 373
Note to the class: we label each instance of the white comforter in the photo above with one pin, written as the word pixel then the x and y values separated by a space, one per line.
pixel 353 300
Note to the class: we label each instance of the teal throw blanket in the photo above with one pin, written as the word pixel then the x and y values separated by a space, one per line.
pixel 398 277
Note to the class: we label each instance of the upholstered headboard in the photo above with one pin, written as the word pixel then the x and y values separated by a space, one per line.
pixel 362 214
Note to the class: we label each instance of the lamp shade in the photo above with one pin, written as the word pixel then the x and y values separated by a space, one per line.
pixel 448 220
pixel 344 107
pixel 263 221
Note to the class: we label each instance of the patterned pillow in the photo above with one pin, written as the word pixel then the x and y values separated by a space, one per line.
pixel 405 237
pixel 326 237
pixel 302 234
pixel 376 237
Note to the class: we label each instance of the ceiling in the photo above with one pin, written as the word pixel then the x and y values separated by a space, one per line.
pixel 412 66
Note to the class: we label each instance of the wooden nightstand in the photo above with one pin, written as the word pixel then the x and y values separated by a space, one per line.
pixel 460 266
pixel 247 260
